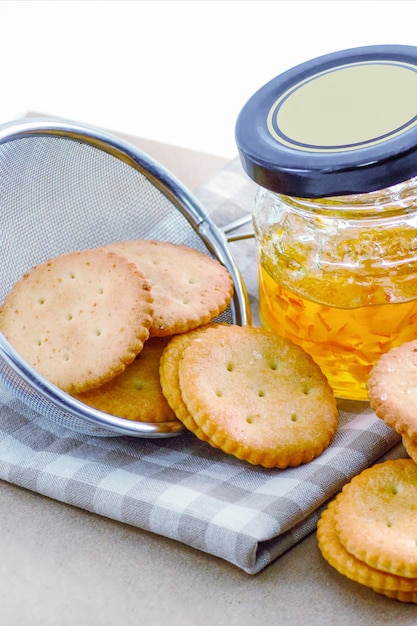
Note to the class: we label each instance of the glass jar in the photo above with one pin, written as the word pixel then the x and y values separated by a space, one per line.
pixel 338 276
pixel 337 250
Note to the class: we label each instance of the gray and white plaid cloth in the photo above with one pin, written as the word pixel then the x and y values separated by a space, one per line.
pixel 181 487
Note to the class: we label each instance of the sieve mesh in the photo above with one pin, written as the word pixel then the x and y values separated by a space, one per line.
pixel 64 187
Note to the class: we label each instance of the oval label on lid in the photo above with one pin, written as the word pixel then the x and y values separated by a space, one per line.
pixel 346 108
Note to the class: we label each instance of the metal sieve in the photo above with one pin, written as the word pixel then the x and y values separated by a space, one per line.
pixel 65 187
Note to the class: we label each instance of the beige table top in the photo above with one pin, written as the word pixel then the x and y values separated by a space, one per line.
pixel 60 565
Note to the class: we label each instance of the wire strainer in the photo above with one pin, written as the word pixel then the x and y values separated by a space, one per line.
pixel 65 187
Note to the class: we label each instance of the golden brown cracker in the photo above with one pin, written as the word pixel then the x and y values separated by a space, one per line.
pixel 79 318
pixel 189 288
pixel 257 396
pixel 136 393
pixel 410 446
pixel 340 559
pixel 392 388
pixel 376 517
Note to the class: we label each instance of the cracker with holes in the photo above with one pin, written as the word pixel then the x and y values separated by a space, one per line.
pixel 189 288
pixel 136 393
pixel 256 396
pixel 392 389
pixel 79 318
pixel 333 551
pixel 376 517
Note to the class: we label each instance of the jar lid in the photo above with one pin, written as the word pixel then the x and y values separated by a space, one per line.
pixel 342 123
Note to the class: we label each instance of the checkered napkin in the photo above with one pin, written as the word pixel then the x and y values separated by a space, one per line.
pixel 181 487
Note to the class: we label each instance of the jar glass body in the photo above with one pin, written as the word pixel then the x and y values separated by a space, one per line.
pixel 338 276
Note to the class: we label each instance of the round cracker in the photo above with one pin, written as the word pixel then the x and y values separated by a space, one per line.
pixel 340 559
pixel 376 517
pixel 410 446
pixel 189 288
pixel 392 388
pixel 79 318
pixel 136 393
pixel 258 397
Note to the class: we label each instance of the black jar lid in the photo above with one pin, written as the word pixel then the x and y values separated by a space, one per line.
pixel 339 124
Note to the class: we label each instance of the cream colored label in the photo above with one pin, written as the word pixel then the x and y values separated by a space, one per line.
pixel 347 108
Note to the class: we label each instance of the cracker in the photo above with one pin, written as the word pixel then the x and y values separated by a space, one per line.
pixel 79 318
pixel 340 559
pixel 376 517
pixel 189 288
pixel 392 388
pixel 136 393
pixel 256 396
pixel 168 372
pixel 410 446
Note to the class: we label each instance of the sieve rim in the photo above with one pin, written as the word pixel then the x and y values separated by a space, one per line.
pixel 213 237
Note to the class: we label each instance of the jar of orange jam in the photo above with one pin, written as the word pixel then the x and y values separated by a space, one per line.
pixel 332 144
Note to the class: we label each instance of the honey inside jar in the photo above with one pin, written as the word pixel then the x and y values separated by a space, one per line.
pixel 342 283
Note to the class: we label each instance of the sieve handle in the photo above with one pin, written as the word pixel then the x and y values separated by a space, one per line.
pixel 242 221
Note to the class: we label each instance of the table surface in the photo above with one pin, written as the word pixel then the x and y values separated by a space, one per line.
pixel 61 565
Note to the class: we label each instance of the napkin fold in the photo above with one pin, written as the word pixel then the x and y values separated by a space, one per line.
pixel 183 488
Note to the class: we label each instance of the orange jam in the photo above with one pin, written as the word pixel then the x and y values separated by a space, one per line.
pixel 346 305
pixel 344 342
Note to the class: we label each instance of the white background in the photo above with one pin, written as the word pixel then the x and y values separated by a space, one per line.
pixel 176 72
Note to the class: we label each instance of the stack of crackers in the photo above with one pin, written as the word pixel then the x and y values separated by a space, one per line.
pixel 251 394
pixel 369 532
pixel 128 329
